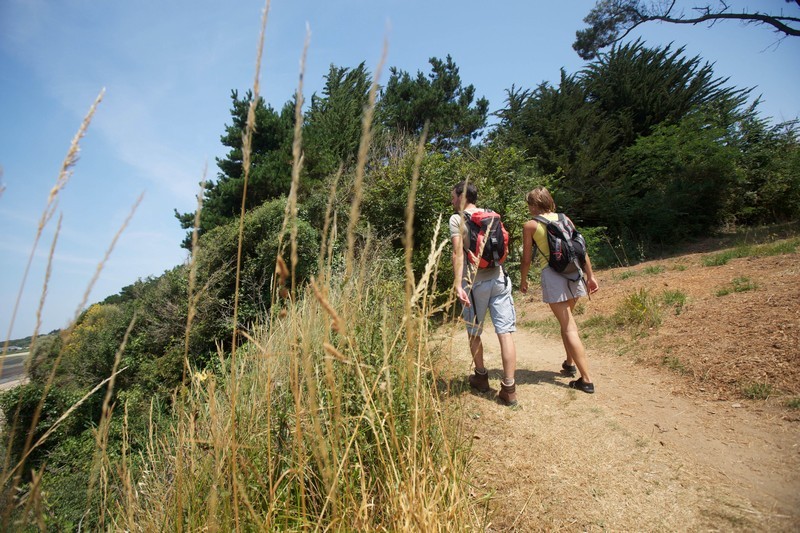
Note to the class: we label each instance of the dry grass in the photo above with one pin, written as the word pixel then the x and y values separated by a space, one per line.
pixel 325 418
pixel 567 461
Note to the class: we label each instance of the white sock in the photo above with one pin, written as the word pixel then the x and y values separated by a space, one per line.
pixel 508 382
pixel 481 372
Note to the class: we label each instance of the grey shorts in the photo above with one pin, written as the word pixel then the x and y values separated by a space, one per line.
pixel 557 288
pixel 493 295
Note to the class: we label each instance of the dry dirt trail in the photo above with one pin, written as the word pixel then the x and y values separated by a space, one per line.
pixel 634 456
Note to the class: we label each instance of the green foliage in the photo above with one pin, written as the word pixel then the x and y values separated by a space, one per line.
pixel 767 187
pixel 333 124
pixel 651 270
pixel 19 405
pixel 216 265
pixel 639 309
pixel 602 251
pixel 788 246
pixel 757 391
pixel 677 180
pixel 793 403
pixel 88 356
pixel 675 299
pixel 270 165
pixel 501 176
pixel 636 141
pixel 455 117
pixel 39 363
pixel 740 284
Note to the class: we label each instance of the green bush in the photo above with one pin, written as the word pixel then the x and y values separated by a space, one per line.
pixel 639 309
pixel 216 266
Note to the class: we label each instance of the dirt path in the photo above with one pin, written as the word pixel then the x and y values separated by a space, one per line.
pixel 632 457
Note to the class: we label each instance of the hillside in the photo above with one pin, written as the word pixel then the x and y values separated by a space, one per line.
pixel 695 422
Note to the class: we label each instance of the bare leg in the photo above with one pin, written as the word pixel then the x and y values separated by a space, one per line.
pixel 571 338
pixel 570 359
pixel 508 352
pixel 476 347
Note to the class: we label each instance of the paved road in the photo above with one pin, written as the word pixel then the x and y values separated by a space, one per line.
pixel 13 367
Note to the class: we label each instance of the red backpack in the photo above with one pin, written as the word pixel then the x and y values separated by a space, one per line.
pixel 487 239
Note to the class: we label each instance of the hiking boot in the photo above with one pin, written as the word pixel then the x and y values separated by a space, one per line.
pixel 508 394
pixel 479 382
pixel 569 370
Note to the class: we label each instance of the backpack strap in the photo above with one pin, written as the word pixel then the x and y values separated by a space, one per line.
pixel 542 220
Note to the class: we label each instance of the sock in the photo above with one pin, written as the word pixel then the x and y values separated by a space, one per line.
pixel 481 372
pixel 508 382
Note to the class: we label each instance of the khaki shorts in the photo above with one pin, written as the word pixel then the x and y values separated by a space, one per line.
pixel 557 288
pixel 493 295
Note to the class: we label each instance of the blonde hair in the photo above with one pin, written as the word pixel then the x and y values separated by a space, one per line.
pixel 540 198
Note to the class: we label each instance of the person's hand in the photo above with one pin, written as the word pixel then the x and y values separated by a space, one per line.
pixel 463 296
pixel 591 282
pixel 523 286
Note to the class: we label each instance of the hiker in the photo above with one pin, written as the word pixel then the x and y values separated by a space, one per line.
pixel 479 290
pixel 560 291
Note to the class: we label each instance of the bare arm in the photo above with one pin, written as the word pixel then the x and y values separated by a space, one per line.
pixel 527 254
pixel 458 270
pixel 591 281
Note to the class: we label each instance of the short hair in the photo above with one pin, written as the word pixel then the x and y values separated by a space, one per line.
pixel 540 197
pixel 472 191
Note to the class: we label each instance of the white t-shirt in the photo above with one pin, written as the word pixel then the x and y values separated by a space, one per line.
pixel 471 273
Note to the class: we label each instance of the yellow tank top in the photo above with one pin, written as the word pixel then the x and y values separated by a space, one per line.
pixel 542 249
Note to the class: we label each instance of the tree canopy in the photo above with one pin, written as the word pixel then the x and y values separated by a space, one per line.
pixel 610 21
pixel 455 117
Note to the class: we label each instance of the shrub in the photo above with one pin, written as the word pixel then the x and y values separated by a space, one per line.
pixel 639 309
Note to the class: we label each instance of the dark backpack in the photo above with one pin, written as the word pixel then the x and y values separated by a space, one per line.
pixel 567 245
pixel 486 230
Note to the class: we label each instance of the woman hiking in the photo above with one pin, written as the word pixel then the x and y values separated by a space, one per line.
pixel 560 291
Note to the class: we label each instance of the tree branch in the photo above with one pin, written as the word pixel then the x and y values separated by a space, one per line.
pixel 776 22
pixel 610 21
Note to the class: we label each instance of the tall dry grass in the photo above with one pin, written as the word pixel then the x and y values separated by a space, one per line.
pixel 332 430
pixel 326 417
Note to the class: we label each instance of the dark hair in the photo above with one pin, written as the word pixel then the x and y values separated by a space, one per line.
pixel 472 191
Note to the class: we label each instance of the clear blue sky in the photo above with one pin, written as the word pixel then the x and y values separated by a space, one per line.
pixel 168 69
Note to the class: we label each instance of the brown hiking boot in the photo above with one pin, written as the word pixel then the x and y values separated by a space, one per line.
pixel 508 394
pixel 479 382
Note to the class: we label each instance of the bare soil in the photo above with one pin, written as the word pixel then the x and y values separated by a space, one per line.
pixel 672 439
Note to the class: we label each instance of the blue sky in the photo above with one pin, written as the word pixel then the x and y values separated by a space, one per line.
pixel 168 69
